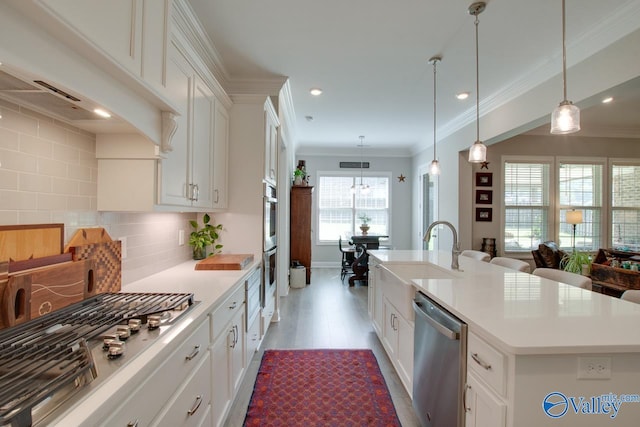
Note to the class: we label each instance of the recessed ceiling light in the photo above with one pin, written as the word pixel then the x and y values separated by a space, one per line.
pixel 607 100
pixel 315 91
pixel 102 113
pixel 462 95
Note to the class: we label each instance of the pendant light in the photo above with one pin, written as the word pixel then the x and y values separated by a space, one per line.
pixel 364 188
pixel 566 117
pixel 478 151
pixel 434 169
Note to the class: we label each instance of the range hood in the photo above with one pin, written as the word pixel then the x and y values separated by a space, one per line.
pixel 55 101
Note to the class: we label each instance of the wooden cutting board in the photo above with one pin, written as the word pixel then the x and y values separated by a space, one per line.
pixel 88 236
pixel 107 259
pixel 32 294
pixel 22 242
pixel 225 262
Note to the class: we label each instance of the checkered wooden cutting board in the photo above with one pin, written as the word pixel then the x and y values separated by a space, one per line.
pixel 108 264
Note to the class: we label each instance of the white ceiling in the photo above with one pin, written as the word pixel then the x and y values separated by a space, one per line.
pixel 370 57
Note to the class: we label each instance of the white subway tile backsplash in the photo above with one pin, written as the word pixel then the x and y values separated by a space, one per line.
pixel 35 146
pixel 78 203
pixel 35 183
pixel 67 154
pixel 13 160
pixel 8 217
pixel 52 168
pixel 52 132
pixel 18 200
pixel 80 173
pixel 64 186
pixel 9 139
pixel 19 122
pixel 87 188
pixel 51 202
pixel 34 217
pixel 8 179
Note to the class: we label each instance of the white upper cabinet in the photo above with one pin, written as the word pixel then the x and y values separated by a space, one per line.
pixel 271 143
pixel 132 33
pixel 220 157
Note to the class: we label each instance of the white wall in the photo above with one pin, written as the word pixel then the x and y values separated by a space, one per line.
pixel 401 204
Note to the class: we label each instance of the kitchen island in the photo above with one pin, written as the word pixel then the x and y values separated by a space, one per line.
pixel 190 376
pixel 539 352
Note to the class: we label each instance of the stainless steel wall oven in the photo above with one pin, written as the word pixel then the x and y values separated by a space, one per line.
pixel 270 216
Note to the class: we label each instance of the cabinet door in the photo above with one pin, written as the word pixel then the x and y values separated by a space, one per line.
pixel 238 349
pixel 390 330
pixel 202 145
pixel 483 407
pixel 220 375
pixel 155 27
pixel 271 144
pixel 115 27
pixel 220 157
pixel 173 170
pixel 377 306
pixel 405 353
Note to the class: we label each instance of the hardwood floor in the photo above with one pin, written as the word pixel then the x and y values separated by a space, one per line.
pixel 325 314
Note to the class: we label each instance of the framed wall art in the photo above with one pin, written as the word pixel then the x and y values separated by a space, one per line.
pixel 484 197
pixel 484 179
pixel 484 214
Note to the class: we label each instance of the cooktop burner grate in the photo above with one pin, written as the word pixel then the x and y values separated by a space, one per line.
pixel 44 355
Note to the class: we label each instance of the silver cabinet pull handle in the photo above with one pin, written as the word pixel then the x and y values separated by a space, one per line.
pixel 480 362
pixel 196 192
pixel 132 423
pixel 217 196
pixel 467 387
pixel 233 305
pixel 194 353
pixel 195 406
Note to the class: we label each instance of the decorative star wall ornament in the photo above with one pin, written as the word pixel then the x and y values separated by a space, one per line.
pixel 485 165
pixel 401 178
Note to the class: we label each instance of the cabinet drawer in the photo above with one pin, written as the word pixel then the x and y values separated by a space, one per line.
pixel 267 313
pixel 253 337
pixel 487 362
pixel 149 399
pixel 223 314
pixel 189 404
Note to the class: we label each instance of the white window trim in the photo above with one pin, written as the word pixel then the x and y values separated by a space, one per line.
pixel 354 173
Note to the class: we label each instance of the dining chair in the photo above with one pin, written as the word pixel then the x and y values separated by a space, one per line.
pixel 572 279
pixel 348 256
pixel 477 255
pixel 512 263
pixel 632 295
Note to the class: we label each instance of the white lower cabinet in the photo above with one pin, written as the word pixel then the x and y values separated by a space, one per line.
pixel 228 353
pixel 482 406
pixel 191 402
pixel 397 339
pixel 184 365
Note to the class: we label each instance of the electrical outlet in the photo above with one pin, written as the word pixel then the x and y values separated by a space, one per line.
pixel 594 368
pixel 123 244
pixel 180 237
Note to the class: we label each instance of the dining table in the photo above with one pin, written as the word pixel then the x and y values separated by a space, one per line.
pixel 360 266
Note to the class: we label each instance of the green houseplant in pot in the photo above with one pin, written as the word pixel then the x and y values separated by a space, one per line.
pixel 200 238
pixel 298 177
pixel 575 262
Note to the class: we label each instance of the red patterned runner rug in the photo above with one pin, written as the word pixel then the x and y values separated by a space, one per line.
pixel 320 388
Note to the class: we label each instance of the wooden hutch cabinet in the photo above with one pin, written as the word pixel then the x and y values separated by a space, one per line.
pixel 301 226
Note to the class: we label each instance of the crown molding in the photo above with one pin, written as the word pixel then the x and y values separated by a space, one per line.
pixel 264 86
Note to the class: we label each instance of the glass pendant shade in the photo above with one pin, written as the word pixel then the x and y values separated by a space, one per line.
pixel 434 168
pixel 565 119
pixel 478 152
pixel 364 189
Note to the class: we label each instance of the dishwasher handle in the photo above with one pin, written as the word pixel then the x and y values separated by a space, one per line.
pixel 418 307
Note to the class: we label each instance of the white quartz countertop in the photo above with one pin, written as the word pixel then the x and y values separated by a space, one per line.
pixel 210 289
pixel 522 313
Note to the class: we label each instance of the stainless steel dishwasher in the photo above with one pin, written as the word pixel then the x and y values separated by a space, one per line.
pixel 439 365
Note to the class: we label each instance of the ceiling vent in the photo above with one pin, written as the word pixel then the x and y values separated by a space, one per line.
pixel 354 165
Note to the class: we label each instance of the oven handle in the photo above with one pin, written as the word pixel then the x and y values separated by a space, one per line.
pixel 418 308
pixel 270 199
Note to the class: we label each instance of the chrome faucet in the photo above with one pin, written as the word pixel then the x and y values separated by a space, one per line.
pixel 455 250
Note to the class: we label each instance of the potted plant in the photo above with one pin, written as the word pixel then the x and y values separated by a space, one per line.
pixel 200 238
pixel 364 227
pixel 298 177
pixel 576 262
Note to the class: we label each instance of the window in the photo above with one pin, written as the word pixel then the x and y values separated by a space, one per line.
pixel 580 188
pixel 625 205
pixel 526 205
pixel 538 193
pixel 339 208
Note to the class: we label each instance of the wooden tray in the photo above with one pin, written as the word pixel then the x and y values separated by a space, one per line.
pixel 225 262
